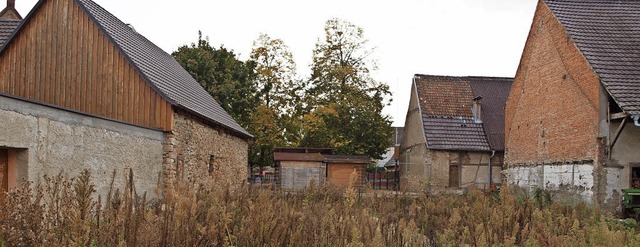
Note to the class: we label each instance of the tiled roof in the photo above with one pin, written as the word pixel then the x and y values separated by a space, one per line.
pixel 607 33
pixel 454 133
pixel 494 92
pixel 445 95
pixel 446 103
pixel 6 29
pixel 161 70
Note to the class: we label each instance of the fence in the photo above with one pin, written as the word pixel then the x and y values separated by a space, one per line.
pixel 389 180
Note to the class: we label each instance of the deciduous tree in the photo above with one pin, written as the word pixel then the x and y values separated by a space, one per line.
pixel 344 102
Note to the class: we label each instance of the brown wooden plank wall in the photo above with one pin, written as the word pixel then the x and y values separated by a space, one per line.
pixel 62 58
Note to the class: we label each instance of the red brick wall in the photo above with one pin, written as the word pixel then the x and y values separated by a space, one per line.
pixel 552 110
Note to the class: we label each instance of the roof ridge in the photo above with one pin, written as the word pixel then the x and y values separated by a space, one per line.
pixel 160 70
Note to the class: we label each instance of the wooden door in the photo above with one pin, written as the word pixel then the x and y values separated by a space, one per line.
pixel 340 174
pixel 4 173
pixel 454 176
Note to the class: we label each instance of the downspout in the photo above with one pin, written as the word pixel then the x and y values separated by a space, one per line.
pixel 636 120
pixel 493 153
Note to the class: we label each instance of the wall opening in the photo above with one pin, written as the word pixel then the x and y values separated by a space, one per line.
pixel 635 176
pixel 454 176
pixel 13 165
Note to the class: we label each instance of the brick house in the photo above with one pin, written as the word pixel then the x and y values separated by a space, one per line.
pixel 454 132
pixel 572 114
pixel 81 89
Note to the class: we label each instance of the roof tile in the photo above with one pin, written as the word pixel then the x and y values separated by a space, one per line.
pixel 161 70
pixel 607 33
pixel 447 119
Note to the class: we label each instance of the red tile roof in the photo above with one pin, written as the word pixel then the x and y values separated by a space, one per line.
pixel 446 103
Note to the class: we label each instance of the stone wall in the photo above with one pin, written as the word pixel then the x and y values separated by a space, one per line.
pixel 552 111
pixel 200 151
pixel 49 141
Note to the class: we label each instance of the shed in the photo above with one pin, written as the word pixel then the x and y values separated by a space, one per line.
pixel 296 170
pixel 340 168
pixel 297 167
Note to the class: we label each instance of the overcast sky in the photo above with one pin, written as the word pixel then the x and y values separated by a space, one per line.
pixel 437 37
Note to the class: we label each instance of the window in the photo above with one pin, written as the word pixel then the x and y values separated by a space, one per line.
pixel 212 159
pixel 407 162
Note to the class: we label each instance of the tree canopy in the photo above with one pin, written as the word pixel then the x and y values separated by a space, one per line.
pixel 339 105
pixel 344 102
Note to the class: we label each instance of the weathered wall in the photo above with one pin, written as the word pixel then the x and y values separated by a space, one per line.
pixel 552 110
pixel 569 182
pixel 196 150
pixel 49 141
pixel 626 151
pixel 413 170
pixel 555 116
pixel 297 175
pixel 474 168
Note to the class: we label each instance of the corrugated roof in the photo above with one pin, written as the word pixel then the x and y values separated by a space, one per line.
pixel 446 103
pixel 281 156
pixel 6 29
pixel 607 34
pixel 352 159
pixel 494 92
pixel 161 70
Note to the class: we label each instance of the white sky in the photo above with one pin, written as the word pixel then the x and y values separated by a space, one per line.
pixel 439 37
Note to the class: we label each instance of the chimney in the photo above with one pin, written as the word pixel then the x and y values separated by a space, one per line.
pixel 10 12
pixel 477 109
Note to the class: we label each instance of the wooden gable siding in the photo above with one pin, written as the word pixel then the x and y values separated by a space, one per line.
pixel 61 57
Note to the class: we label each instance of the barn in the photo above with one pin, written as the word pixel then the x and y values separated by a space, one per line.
pixel 80 89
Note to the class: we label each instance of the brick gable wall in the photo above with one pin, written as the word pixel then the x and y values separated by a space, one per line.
pixel 552 111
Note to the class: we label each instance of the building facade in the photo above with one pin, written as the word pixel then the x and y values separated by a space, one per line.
pixel 453 134
pixel 571 115
pixel 80 89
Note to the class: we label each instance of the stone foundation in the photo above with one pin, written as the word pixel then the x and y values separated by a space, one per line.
pixel 570 182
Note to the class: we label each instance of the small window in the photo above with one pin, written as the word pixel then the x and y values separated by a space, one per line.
pixel 212 159
pixel 408 159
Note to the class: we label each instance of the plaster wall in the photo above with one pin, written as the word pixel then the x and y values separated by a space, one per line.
pixel 49 141
pixel 626 151
pixel 567 182
pixel 414 169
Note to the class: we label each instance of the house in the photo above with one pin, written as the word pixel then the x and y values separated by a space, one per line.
pixel 391 156
pixel 297 168
pixel 572 114
pixel 453 134
pixel 80 89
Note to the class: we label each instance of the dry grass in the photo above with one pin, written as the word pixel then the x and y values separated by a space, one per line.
pixel 60 212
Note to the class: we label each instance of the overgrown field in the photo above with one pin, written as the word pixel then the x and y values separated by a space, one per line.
pixel 62 212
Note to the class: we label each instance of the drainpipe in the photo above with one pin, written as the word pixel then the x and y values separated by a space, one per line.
pixel 636 120
pixel 493 153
